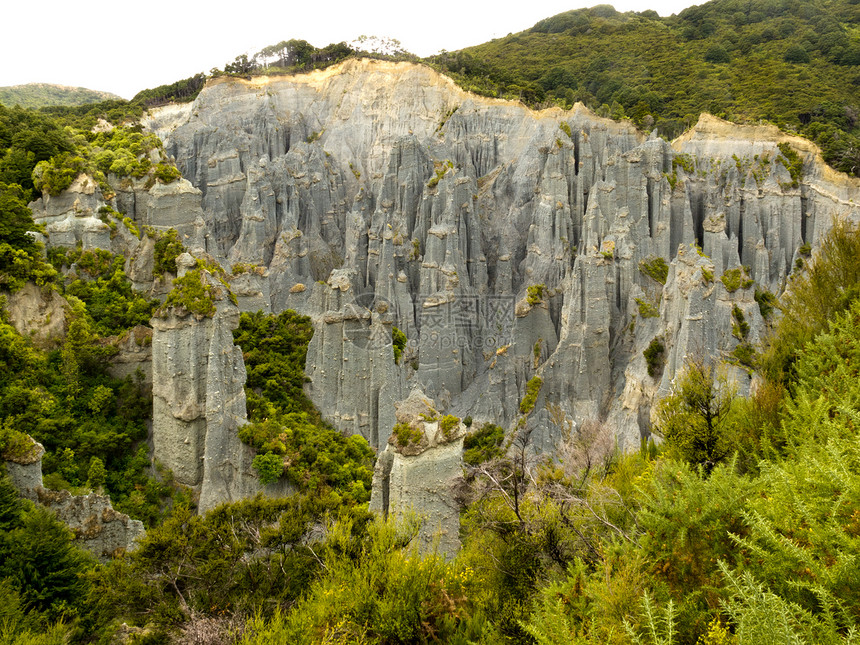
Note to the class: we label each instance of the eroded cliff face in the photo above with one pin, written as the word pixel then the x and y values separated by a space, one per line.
pixel 97 527
pixel 375 195
pixel 198 402
pixel 419 472
pixel 378 194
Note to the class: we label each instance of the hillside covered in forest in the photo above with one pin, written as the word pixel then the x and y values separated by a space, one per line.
pixel 38 95
pixel 789 62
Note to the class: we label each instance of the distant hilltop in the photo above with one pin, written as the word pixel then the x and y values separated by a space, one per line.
pixel 36 95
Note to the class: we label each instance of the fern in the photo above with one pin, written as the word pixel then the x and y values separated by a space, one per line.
pixel 659 626
pixel 763 617
pixel 549 624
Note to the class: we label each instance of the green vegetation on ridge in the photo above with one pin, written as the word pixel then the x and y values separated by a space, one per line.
pixel 285 428
pixel 738 59
pixel 37 95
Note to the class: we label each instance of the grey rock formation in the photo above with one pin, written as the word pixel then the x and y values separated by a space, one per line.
pixel 38 314
pixel 199 403
pixel 98 528
pixel 25 471
pixel 420 476
pixel 134 356
pixel 377 194
pixel 71 218
pixel 350 360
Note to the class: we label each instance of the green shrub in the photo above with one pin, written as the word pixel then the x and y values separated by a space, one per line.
pixel 685 161
pixel 54 176
pixel 166 173
pixel 269 467
pixel 275 350
pixel 647 310
pixel 717 54
pixel 447 116
pixel 110 300
pixel 377 589
pixel 690 518
pixel 796 54
pixel 398 340
pixel 672 179
pixel 240 268
pixel 168 247
pixel 406 435
pixel 807 563
pixel 15 445
pixel 98 262
pixel 532 390
pixel 483 444
pixel 792 161
pixel 654 356
pixel 767 302
pixel 740 327
pixel 693 418
pixel 193 293
pixel 815 297
pixel 284 421
pixel 434 181
pixel 535 294
pixel 38 557
pixel 246 557
pixel 67 401
pixel 655 268
pixel 268 435
pixel 314 457
pixel 734 279
pixel 745 354
pixel 96 474
pixel 447 424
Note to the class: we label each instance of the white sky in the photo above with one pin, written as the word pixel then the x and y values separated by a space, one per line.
pixel 127 47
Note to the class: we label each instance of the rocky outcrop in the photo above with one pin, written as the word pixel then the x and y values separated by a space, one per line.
pixel 25 469
pixel 37 313
pixel 379 194
pixel 199 402
pixel 417 472
pixel 134 356
pixel 72 217
pixel 505 243
pixel 351 360
pixel 97 527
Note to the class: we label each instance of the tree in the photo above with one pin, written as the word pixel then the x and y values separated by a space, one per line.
pixel 827 286
pixel 717 54
pixel 241 65
pixel 96 474
pixel 46 567
pixel 16 220
pixel 10 503
pixel 692 419
pixel 247 556
pixel 796 54
pixel 300 53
